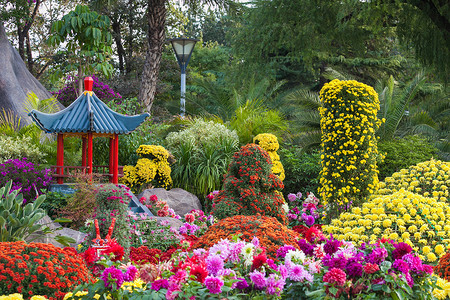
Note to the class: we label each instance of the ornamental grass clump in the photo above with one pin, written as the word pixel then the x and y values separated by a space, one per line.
pixel 152 167
pixel 430 179
pixel 349 148
pixel 422 223
pixel 269 142
pixel 40 269
pixel 270 232
pixel 250 187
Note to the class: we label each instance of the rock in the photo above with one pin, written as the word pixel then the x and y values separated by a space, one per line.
pixel 178 199
pixel 174 223
pixel 38 237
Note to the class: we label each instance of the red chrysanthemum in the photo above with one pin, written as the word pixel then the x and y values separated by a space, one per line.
pixel 200 273
pixel 90 256
pixel 370 268
pixel 114 248
pixel 259 261
pixel 335 275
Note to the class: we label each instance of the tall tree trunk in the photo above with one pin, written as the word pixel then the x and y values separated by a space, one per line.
pixel 129 38
pixel 21 37
pixel 30 62
pixel 156 36
pixel 118 39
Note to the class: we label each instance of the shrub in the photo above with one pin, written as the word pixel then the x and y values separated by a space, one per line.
pixel 301 169
pixel 349 149
pixel 443 267
pixel 81 205
pixel 403 216
pixel 40 269
pixel 68 93
pixel 270 232
pixel 269 142
pixel 112 202
pixel 250 187
pixel 20 146
pixel 53 203
pixel 203 151
pixel 151 168
pixel 398 154
pixel 25 176
pixel 430 179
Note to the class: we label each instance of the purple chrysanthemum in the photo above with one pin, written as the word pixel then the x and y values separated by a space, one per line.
pixel 282 251
pixel 112 277
pixel 241 284
pixel 258 279
pixel 214 284
pixel 130 274
pixel 401 265
pixel 274 285
pixel 400 250
pixel 214 263
pixel 334 262
pixel 297 273
pixel 377 256
pixel 354 269
pixel 160 284
pixel 331 246
pixel 307 248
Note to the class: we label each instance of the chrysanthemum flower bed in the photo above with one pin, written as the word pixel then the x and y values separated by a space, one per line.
pixel 430 179
pixel 423 223
pixel 270 232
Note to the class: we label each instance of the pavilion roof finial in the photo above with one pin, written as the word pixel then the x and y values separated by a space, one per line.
pixel 88 83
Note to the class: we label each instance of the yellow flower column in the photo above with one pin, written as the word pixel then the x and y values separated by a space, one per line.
pixel 269 142
pixel 349 148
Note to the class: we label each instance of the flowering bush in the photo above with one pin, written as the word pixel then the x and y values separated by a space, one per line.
pixel 158 207
pixel 152 167
pixel 430 179
pixel 40 269
pixel 250 187
pixel 403 216
pixel 443 267
pixel 68 93
pixel 304 212
pixel 196 223
pixel 349 150
pixel 20 146
pixel 270 232
pixel 378 270
pixel 25 176
pixel 112 202
pixel 269 142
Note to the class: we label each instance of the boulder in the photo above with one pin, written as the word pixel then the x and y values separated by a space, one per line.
pixel 179 200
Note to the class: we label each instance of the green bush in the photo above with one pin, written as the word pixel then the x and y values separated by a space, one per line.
pixel 202 151
pixel 403 153
pixel 53 202
pixel 20 146
pixel 301 169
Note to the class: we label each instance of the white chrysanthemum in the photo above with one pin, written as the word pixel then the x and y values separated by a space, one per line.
pixel 295 257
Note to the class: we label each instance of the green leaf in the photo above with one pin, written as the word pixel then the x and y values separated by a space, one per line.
pixel 74 23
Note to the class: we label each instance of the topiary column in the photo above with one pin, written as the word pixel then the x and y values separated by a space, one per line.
pixel 269 142
pixel 349 148
pixel 250 187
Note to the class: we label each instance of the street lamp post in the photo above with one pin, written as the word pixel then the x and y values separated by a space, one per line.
pixel 183 48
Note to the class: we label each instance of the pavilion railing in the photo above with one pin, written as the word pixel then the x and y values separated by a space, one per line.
pixel 73 171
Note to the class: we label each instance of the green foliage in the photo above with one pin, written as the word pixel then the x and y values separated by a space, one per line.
pixel 53 203
pixel 301 168
pixel 49 105
pixel 20 146
pixel 254 118
pixel 399 154
pixel 202 150
pixel 250 187
pixel 85 35
pixel 112 202
pixel 18 222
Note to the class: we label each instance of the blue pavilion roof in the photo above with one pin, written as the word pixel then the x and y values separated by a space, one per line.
pixel 87 114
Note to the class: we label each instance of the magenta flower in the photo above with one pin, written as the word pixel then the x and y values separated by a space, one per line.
pixel 112 277
pixel 258 279
pixel 214 284
pixel 214 264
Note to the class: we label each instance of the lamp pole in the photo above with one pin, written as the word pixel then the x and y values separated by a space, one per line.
pixel 183 48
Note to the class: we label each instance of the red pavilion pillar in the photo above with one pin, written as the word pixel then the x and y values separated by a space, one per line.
pixel 111 159
pixel 115 178
pixel 89 154
pixel 60 158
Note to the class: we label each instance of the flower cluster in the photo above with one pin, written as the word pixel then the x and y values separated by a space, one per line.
pixel 40 269
pixel 271 233
pixel 25 176
pixel 304 212
pixel 250 187
pixel 349 150
pixel 20 146
pixel 68 93
pixel 443 289
pixel 158 207
pixel 17 296
pixel 403 216
pixel 196 223
pixel 152 167
pixel 443 267
pixel 370 269
pixel 430 179
pixel 269 142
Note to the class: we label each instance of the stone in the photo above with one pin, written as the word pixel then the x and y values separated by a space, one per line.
pixel 179 200
pixel 174 223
